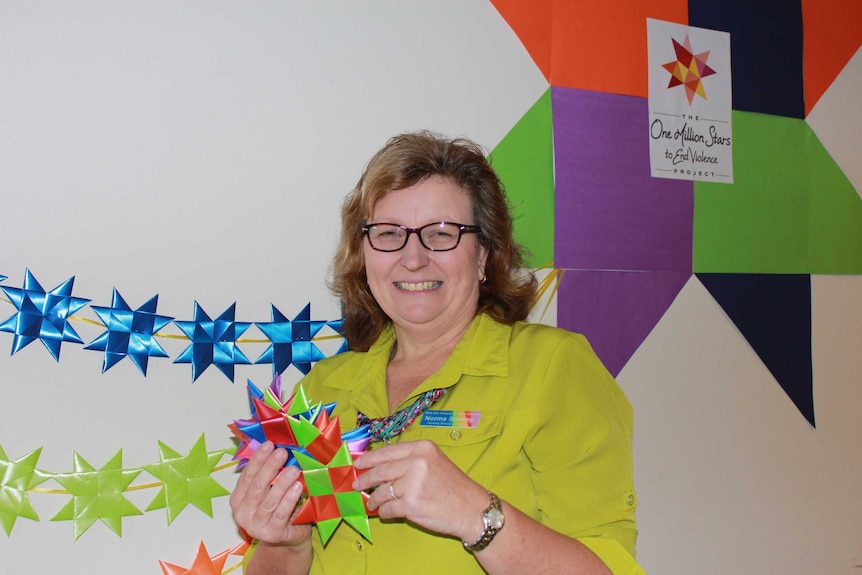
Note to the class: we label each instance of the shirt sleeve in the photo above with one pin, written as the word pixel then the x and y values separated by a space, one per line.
pixel 580 452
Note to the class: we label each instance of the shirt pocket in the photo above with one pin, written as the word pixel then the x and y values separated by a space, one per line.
pixel 470 448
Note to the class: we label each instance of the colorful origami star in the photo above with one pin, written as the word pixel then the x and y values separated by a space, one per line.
pixel 130 333
pixel 317 447
pixel 97 495
pixel 186 479
pixel 688 69
pixel 42 315
pixel 213 342
pixel 203 563
pixel 331 497
pixel 291 341
pixel 16 479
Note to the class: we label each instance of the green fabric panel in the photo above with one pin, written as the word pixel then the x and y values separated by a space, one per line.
pixel 758 224
pixel 836 214
pixel 524 160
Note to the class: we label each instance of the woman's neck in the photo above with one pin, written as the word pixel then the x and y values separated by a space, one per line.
pixel 415 358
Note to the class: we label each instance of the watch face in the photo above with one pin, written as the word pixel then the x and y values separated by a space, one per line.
pixel 495 518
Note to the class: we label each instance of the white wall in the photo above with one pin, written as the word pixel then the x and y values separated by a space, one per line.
pixel 201 152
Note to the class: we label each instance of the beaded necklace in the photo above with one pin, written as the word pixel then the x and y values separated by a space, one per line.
pixel 385 428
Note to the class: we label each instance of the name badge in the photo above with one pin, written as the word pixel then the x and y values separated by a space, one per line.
pixel 441 418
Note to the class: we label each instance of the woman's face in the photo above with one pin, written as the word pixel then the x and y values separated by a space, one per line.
pixel 418 289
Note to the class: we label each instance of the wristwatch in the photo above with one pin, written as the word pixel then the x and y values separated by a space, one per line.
pixel 493 520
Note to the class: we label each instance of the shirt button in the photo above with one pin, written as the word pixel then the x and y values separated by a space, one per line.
pixel 456 435
pixel 359 544
pixel 630 500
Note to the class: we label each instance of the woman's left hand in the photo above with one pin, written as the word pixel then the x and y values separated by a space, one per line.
pixel 416 481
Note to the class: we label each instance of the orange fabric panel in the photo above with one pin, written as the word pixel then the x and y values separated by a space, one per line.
pixel 531 22
pixel 602 45
pixel 832 33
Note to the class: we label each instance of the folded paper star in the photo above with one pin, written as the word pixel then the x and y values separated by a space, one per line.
pixel 291 341
pixel 335 325
pixel 186 479
pixel 204 564
pixel 16 479
pixel 130 333
pixel 315 443
pixel 213 342
pixel 42 315
pixel 97 495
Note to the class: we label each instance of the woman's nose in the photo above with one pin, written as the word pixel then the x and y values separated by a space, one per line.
pixel 413 254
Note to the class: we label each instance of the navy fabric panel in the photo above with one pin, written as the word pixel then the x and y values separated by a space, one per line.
pixel 765 51
pixel 773 313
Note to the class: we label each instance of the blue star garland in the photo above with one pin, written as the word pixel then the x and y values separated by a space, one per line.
pixel 45 316
pixel 130 333
pixel 213 342
pixel 291 341
pixel 42 315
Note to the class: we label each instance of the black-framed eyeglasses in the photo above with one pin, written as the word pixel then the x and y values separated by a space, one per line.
pixel 435 237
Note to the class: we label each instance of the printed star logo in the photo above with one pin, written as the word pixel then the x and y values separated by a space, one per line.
pixel 688 69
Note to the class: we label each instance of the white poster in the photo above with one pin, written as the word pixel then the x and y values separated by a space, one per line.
pixel 690 102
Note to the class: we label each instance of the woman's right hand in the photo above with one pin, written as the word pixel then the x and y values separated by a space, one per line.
pixel 263 509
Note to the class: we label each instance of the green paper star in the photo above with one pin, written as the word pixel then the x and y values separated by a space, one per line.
pixel 16 478
pixel 97 494
pixel 186 479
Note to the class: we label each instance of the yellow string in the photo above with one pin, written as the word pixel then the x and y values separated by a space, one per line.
pixel 136 487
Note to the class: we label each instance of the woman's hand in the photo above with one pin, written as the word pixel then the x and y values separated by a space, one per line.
pixel 416 481
pixel 265 511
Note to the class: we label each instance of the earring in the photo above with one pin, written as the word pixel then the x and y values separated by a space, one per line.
pixel 484 278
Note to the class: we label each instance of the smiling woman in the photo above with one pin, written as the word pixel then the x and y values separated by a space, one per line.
pixel 437 320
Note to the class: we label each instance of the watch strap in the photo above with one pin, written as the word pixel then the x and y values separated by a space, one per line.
pixel 490 530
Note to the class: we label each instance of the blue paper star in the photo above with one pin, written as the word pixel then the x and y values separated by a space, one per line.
pixel 2 277
pixel 130 333
pixel 335 325
pixel 42 315
pixel 291 341
pixel 213 342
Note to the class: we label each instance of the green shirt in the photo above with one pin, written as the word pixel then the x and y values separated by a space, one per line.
pixel 553 440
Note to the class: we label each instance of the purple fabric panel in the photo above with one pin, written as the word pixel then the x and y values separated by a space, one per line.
pixel 610 214
pixel 616 310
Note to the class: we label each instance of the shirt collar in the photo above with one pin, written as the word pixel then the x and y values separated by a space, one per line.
pixel 482 351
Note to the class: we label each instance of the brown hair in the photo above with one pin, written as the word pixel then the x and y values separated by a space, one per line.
pixel 407 159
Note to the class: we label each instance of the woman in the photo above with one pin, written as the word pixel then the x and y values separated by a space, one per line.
pixel 433 300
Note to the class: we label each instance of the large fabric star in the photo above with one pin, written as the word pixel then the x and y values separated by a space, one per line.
pixel 42 315
pixel 97 494
pixel 130 333
pixel 186 479
pixel 16 479
pixel 688 69
pixel 291 341
pixel 213 342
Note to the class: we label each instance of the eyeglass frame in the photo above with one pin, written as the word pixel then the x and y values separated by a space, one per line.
pixel 462 229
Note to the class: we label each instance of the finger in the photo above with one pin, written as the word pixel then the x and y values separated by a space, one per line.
pixel 254 482
pixel 385 497
pixel 382 455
